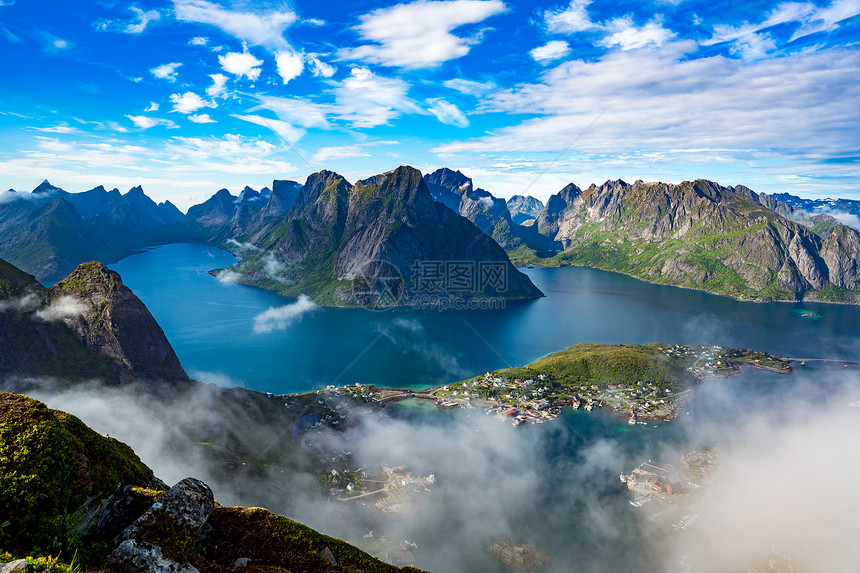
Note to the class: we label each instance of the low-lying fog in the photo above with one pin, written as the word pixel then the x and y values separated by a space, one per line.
pixel 784 484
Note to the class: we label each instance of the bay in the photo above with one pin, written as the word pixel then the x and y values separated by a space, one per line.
pixel 211 325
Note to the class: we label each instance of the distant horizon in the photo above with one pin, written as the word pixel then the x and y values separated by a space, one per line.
pixel 186 96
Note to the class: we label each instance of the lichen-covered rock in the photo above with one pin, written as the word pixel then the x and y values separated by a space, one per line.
pixel 14 566
pixel 133 557
pixel 183 510
pixel 122 509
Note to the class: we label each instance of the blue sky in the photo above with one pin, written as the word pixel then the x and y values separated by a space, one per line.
pixel 187 96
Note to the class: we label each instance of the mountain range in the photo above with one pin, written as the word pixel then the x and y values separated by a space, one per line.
pixel 701 235
pixel 363 244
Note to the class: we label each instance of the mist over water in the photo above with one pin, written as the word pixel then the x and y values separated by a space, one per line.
pixel 555 486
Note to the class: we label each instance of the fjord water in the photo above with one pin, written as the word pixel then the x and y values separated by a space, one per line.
pixel 211 326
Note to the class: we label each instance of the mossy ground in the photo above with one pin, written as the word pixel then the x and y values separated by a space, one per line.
pixel 51 465
pixel 587 364
pixel 275 543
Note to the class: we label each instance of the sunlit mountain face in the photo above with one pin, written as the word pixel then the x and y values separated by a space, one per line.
pixel 189 96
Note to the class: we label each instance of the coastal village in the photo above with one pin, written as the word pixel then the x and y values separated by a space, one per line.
pixel 539 399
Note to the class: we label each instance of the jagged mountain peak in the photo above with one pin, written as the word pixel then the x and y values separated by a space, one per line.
pixel 114 323
pixel 45 187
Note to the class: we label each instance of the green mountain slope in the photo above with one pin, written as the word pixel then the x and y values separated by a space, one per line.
pixel 700 235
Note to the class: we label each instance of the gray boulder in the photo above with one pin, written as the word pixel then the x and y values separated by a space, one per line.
pixel 134 557
pixel 187 504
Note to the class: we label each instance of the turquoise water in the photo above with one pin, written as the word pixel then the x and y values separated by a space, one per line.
pixel 211 326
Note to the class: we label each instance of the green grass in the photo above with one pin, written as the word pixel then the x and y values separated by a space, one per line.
pixel 51 463
pixel 587 364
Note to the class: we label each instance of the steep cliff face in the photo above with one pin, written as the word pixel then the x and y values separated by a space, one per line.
pixel 841 254
pixel 524 208
pixel 115 324
pixel 490 214
pixel 377 230
pixel 88 326
pixel 695 234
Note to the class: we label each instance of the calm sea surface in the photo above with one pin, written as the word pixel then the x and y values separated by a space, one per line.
pixel 211 326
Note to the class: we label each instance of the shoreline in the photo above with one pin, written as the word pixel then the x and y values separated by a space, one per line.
pixel 739 299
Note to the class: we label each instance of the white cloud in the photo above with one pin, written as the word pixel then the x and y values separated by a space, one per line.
pixel 284 130
pixel 28 302
pixel 135 25
pixel 570 20
pixel 189 102
pixel 143 19
pixel 296 111
pixel 62 308
pixel 201 118
pixel 198 41
pixel 550 51
pixel 227 276
pixel 623 33
pixel 658 100
pixel 825 19
pixel 753 46
pixel 321 69
pixel 61 128
pixel 279 318
pixel 447 112
pixel 469 87
pixel 231 154
pixel 323 154
pixel 217 87
pixel 290 64
pixel 419 34
pixel 257 28
pixel 367 100
pixel 117 127
pixel 152 106
pixel 809 18
pixel 166 71
pixel 145 122
pixel 241 64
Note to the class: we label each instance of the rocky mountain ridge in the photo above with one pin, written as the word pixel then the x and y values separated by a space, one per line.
pixel 59 230
pixel 367 244
pixel 524 208
pixel 701 235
